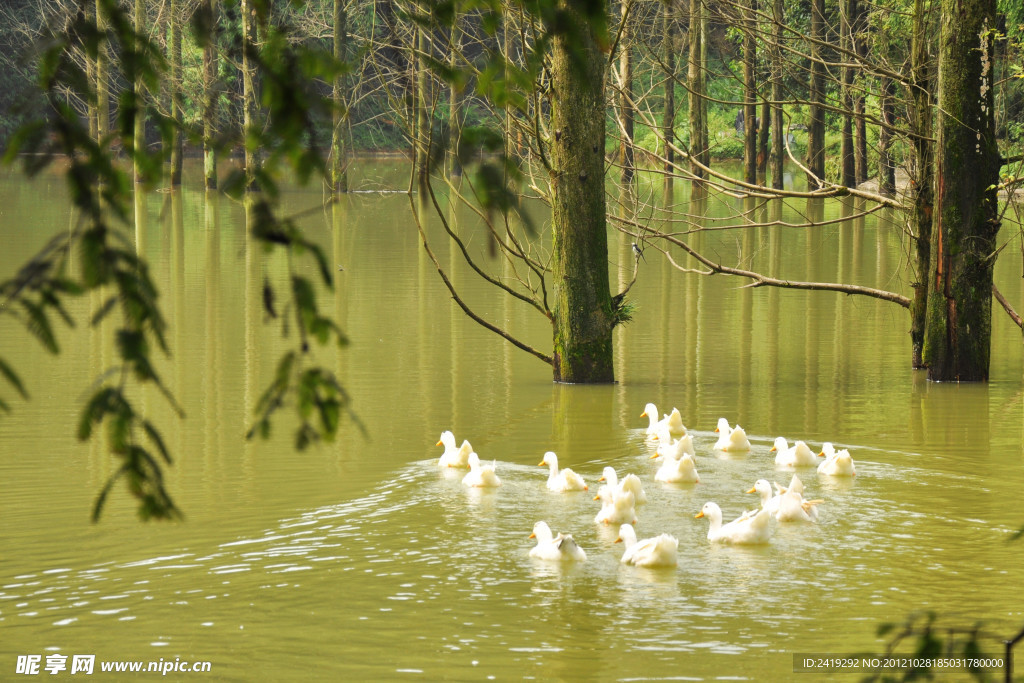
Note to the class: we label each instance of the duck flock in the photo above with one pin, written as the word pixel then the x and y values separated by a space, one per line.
pixel 620 497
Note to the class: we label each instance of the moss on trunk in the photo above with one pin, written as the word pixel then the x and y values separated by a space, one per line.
pixel 958 335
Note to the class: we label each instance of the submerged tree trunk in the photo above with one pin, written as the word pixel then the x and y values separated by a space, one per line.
pixel 421 141
pixel 339 117
pixel 698 106
pixel 249 86
pixel 669 114
pixel 626 93
pixel 848 175
pixel 922 190
pixel 886 167
pixel 816 114
pixel 958 335
pixel 139 90
pixel 750 95
pixel 583 315
pixel 177 107
pixel 102 67
pixel 778 150
pixel 455 100
pixel 211 98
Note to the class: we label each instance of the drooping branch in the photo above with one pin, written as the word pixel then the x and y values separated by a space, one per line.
pixel 1014 316
pixel 462 304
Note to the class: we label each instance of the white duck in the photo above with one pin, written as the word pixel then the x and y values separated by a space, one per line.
pixel 630 483
pixel 452 456
pixel 747 529
pixel 673 422
pixel 673 448
pixel 566 480
pixel 731 439
pixel 480 476
pixel 678 471
pixel 560 548
pixel 836 463
pixel 792 506
pixel 660 551
pixel 769 501
pixel 617 507
pixel 797 455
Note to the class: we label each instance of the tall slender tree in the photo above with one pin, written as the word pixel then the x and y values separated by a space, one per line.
pixel 697 103
pixel 211 93
pixel 339 151
pixel 626 91
pixel 816 113
pixel 175 85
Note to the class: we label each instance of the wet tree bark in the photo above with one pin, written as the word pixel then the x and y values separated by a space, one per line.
pixel 886 167
pixel 583 315
pixel 249 85
pixel 959 325
pixel 669 113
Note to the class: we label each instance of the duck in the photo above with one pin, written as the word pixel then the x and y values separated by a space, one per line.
pixel 678 471
pixel 566 480
pixel 673 448
pixel 750 528
pixel 480 476
pixel 673 421
pixel 792 506
pixel 733 440
pixel 799 455
pixel 769 501
pixel 836 463
pixel 660 551
pixel 453 457
pixel 617 507
pixel 630 483
pixel 560 548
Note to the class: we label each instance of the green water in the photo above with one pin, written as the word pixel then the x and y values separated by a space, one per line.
pixel 361 559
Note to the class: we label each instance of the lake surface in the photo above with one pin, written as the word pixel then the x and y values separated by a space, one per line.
pixel 362 559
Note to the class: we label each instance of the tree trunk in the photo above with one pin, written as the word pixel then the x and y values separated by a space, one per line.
pixel 848 176
pixel 750 95
pixel 339 117
pixel 102 68
pixel 922 184
pixel 763 132
pixel 455 100
pixel 860 131
pixel 249 95
pixel 958 335
pixel 626 93
pixel 669 114
pixel 778 149
pixel 422 104
pixel 886 167
pixel 139 90
pixel 583 314
pixel 90 75
pixel 816 114
pixel 211 97
pixel 177 114
pixel 698 106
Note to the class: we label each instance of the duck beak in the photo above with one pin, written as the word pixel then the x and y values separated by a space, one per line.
pixel 597 497
pixel 699 515
pixel 753 489
pixel 821 455
pixel 773 449
pixel 438 443
pixel 655 456
pixel 618 540
pixel 716 430
pixel 542 463
pixel 533 535
pixel 643 414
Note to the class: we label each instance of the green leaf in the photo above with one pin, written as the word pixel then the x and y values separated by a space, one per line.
pixel 12 377
pixel 39 325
